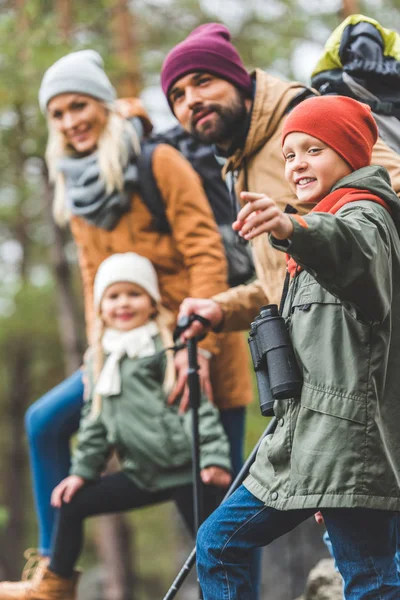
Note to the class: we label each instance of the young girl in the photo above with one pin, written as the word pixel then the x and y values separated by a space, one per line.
pixel 336 446
pixel 128 379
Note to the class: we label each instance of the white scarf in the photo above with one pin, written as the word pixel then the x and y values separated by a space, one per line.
pixel 136 343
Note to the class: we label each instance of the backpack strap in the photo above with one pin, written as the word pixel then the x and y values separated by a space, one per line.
pixel 150 193
pixel 338 86
pixel 303 95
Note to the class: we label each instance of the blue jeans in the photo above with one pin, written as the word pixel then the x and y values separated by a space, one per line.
pixel 50 422
pixel 364 544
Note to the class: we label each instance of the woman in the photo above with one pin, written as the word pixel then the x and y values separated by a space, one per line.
pixel 91 156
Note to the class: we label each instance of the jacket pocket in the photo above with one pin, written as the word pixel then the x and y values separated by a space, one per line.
pixel 334 402
pixel 328 454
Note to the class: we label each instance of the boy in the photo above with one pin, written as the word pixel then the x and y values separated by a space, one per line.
pixel 336 446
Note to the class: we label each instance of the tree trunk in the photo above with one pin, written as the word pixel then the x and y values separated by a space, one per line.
pixel 126 48
pixel 350 7
pixel 67 313
pixel 114 542
pixel 17 358
pixel 64 12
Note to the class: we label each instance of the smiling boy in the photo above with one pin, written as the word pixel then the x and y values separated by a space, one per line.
pixel 336 446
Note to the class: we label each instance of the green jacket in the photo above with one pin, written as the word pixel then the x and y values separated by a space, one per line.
pixel 338 445
pixel 152 440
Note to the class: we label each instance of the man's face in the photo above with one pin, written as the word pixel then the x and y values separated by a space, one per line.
pixel 208 107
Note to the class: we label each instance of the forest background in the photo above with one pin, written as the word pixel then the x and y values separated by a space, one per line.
pixel 41 312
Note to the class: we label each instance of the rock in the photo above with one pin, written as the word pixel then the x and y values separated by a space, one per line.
pixel 324 582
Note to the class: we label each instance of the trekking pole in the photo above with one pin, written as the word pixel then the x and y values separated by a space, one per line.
pixel 190 561
pixel 194 403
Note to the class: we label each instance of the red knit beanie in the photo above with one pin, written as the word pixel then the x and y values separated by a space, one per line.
pixel 344 124
pixel 208 48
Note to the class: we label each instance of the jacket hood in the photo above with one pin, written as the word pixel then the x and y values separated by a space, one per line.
pixel 376 180
pixel 271 99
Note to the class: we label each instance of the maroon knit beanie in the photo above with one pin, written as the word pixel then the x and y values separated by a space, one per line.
pixel 208 48
pixel 344 124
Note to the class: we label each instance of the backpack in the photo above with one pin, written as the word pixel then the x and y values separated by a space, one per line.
pixel 362 60
pixel 201 156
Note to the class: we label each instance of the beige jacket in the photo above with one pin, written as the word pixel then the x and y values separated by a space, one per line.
pixel 259 167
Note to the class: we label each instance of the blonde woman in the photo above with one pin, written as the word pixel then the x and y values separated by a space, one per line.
pixel 91 156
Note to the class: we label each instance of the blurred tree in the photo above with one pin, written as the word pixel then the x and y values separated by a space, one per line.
pixel 125 45
pixel 350 7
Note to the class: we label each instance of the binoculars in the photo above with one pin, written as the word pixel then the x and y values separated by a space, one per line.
pixel 277 372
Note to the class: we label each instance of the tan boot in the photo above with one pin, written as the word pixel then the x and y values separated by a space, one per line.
pixel 32 572
pixel 35 565
pixel 48 586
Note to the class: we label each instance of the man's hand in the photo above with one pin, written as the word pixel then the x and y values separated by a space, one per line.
pixel 181 387
pixel 66 489
pixel 216 476
pixel 262 215
pixel 205 307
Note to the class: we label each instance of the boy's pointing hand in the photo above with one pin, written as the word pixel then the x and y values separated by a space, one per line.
pixel 262 215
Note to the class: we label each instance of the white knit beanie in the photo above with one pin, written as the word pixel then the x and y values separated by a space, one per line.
pixel 78 72
pixel 128 267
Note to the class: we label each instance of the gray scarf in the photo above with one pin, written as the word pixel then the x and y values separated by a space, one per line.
pixel 86 191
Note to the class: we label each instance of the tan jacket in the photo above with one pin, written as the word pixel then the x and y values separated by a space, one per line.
pixel 259 167
pixel 190 261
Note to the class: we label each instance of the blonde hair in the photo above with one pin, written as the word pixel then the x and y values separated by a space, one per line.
pixel 164 320
pixel 112 153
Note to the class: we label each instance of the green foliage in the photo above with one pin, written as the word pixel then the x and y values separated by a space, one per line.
pixel 3 517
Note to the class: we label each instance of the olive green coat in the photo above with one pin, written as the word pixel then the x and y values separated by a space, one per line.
pixel 152 440
pixel 338 445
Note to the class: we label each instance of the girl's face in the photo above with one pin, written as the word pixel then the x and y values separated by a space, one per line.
pixel 312 167
pixel 79 118
pixel 125 306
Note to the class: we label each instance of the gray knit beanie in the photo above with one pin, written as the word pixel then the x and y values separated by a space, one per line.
pixel 78 72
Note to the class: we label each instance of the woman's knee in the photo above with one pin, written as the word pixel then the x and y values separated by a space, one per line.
pixel 36 420
pixel 57 412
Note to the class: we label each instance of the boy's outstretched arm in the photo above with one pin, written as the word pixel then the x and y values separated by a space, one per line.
pixel 348 253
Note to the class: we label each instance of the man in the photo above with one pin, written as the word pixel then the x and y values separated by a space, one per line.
pixel 218 101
